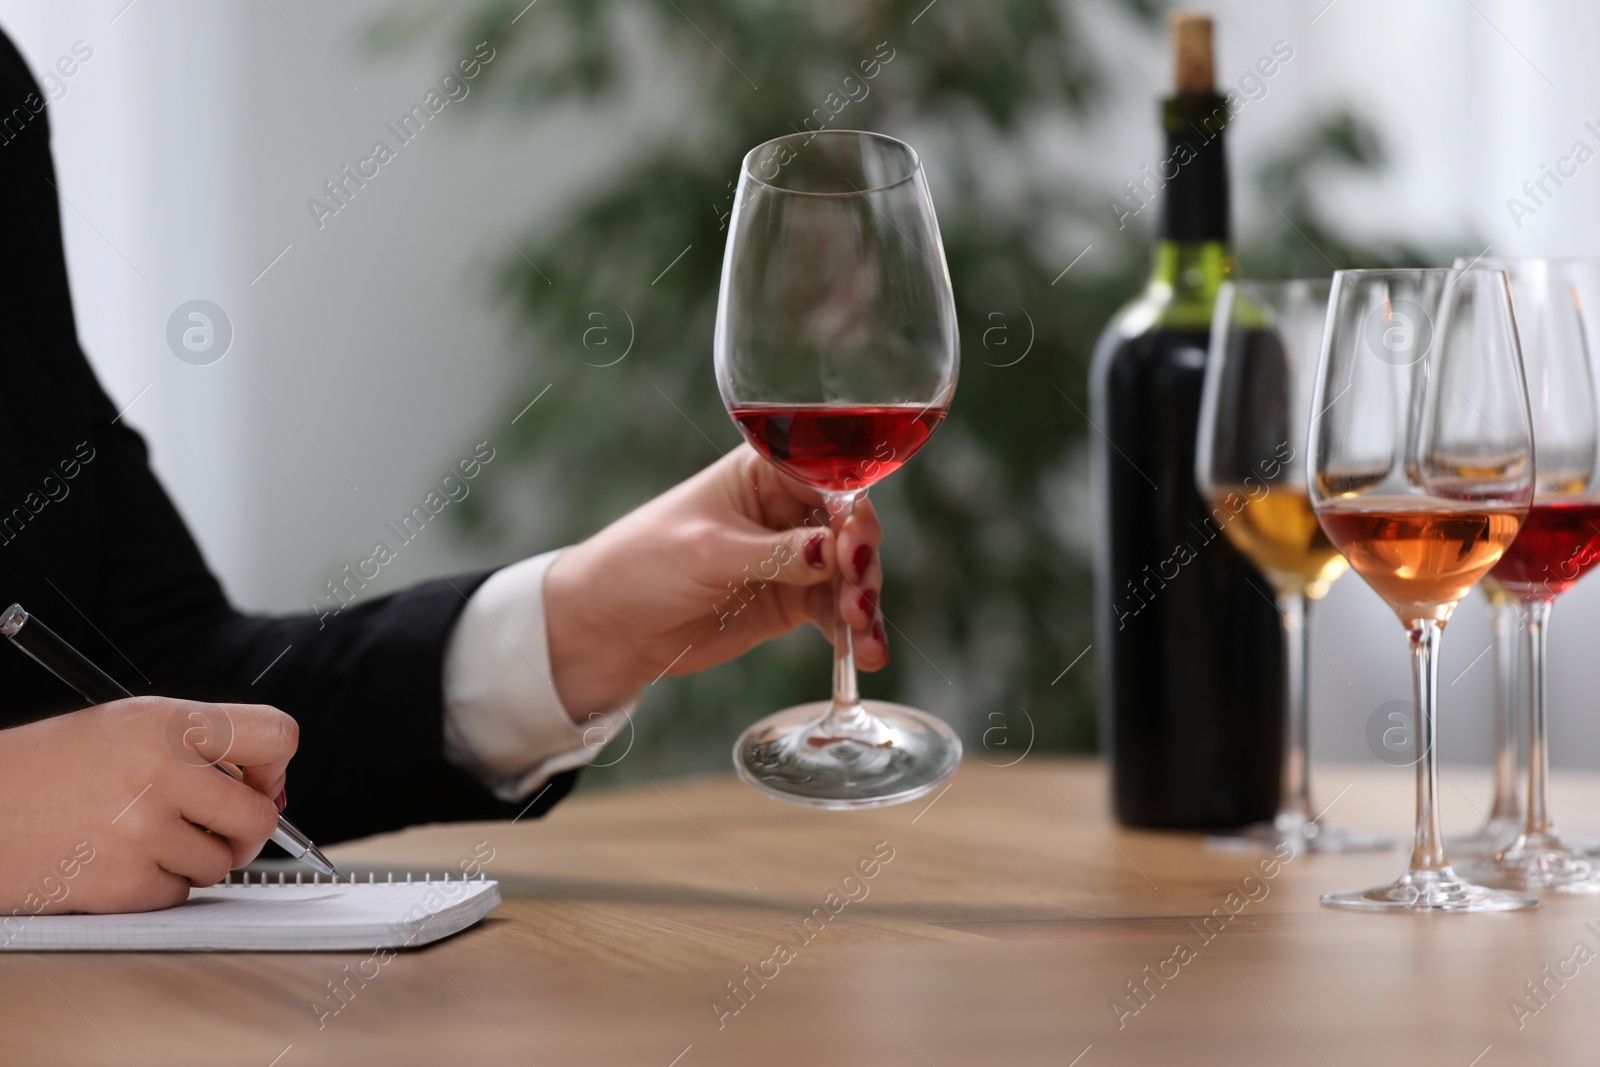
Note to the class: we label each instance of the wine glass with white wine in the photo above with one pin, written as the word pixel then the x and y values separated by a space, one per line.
pixel 1251 469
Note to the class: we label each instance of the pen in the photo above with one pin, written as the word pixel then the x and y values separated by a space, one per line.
pixel 97 687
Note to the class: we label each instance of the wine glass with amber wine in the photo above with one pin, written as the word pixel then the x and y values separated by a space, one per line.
pixel 1421 473
pixel 1250 467
pixel 836 355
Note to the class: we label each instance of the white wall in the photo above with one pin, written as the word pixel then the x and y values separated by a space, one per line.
pixel 189 144
pixel 372 355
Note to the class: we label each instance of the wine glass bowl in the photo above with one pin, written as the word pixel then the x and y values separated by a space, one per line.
pixel 1421 462
pixel 836 356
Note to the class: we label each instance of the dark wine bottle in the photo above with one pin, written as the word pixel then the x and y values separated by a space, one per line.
pixel 1188 643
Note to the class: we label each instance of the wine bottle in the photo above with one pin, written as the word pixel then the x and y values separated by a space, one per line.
pixel 1188 642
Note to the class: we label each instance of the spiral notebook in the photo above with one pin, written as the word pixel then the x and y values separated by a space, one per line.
pixel 271 916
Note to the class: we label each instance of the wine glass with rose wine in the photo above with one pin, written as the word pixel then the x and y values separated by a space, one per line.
pixel 836 355
pixel 1421 472
pixel 1559 542
pixel 1250 465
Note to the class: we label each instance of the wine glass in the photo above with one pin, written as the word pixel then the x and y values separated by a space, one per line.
pixel 1504 821
pixel 836 355
pixel 1421 473
pixel 1558 543
pixel 1251 468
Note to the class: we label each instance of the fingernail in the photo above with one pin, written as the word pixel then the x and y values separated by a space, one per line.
pixel 282 800
pixel 813 550
pixel 861 560
pixel 869 603
pixel 877 632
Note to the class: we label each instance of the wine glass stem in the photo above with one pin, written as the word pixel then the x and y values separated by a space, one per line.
pixel 1427 854
pixel 1294 608
pixel 847 715
pixel 1537 622
pixel 1503 623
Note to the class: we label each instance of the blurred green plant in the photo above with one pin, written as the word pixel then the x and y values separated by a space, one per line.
pixel 987 577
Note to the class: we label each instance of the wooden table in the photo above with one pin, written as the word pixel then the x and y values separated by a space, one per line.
pixel 1009 920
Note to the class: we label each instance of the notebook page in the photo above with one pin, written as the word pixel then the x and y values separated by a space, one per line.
pixel 271 918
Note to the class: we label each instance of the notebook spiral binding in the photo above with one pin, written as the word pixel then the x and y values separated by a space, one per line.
pixel 242 877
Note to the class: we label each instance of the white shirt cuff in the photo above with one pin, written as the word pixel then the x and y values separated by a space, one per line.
pixel 503 721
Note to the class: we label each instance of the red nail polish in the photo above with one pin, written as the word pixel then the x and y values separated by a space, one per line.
pixel 861 560
pixel 869 604
pixel 813 550
pixel 282 800
pixel 877 632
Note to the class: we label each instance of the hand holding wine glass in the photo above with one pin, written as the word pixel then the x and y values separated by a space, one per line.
pixel 1422 470
pixel 631 602
pixel 836 355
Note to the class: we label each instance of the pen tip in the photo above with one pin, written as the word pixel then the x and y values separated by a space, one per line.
pixel 313 857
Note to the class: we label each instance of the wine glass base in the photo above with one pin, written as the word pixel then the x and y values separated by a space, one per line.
pixel 1551 865
pixel 900 756
pixel 1431 891
pixel 1491 837
pixel 1300 833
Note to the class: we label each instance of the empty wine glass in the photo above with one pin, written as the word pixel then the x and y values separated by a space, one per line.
pixel 1422 470
pixel 1251 469
pixel 836 355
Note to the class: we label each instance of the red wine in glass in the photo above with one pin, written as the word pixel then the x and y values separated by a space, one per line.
pixel 1559 542
pixel 837 447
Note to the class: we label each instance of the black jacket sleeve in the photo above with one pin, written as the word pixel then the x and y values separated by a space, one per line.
pixel 91 543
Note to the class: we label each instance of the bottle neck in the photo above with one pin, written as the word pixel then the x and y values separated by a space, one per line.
pixel 1193 255
pixel 1185 277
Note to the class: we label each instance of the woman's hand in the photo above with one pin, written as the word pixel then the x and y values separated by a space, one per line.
pixel 735 555
pixel 118 807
